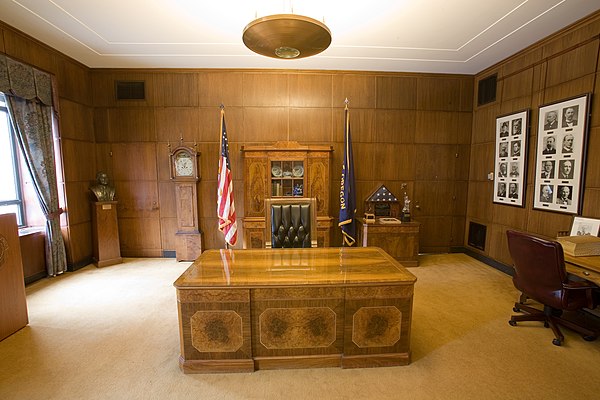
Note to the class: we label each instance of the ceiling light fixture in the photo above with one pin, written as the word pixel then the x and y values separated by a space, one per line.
pixel 286 36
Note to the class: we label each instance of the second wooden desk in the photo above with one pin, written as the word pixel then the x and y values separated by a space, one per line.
pixel 401 241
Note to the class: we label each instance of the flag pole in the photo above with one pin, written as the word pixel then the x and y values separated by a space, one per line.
pixel 347 187
pixel 222 108
pixel 225 201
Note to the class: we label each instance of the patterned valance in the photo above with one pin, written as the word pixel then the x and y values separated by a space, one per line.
pixel 25 81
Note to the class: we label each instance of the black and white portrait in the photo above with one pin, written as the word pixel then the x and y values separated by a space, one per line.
pixel 565 169
pixel 546 193
pixel 516 127
pixel 551 118
pixel 502 170
pixel 563 195
pixel 513 190
pixel 515 148
pixel 514 169
pixel 549 145
pixel 547 169
pixel 501 189
pixel 504 129
pixel 503 149
pixel 567 144
pixel 569 116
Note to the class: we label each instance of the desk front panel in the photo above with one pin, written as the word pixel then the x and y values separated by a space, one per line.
pixel 294 309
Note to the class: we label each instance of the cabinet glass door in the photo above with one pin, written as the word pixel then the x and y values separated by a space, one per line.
pixel 287 178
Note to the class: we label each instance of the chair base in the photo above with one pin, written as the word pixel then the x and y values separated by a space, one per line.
pixel 551 318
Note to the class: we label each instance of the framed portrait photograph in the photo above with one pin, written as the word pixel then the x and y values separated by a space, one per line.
pixel 510 165
pixel 585 226
pixel 561 155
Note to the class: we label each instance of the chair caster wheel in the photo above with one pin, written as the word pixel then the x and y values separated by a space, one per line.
pixel 590 338
pixel 516 309
pixel 512 323
pixel 556 342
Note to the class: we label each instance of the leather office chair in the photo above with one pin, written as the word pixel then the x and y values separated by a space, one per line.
pixel 291 222
pixel 540 274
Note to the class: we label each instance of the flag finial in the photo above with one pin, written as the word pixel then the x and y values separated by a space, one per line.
pixel 346 102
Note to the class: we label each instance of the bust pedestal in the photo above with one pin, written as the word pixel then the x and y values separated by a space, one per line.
pixel 105 234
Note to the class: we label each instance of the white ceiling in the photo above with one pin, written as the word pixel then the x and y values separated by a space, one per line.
pixel 445 36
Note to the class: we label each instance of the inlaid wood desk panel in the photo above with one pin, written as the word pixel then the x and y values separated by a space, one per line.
pixel 241 310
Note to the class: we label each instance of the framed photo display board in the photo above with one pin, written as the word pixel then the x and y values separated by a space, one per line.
pixel 585 226
pixel 511 158
pixel 561 155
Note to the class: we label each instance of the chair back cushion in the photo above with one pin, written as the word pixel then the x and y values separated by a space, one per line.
pixel 290 225
pixel 539 268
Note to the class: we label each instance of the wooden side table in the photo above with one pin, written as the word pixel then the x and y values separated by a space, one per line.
pixel 13 304
pixel 105 234
pixel 401 241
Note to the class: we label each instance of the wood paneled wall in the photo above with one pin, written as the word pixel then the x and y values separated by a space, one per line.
pixel 563 65
pixel 407 128
pixel 421 130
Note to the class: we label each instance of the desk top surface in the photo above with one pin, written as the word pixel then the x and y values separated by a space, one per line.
pixel 294 267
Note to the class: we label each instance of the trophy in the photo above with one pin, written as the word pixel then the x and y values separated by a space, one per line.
pixel 405 215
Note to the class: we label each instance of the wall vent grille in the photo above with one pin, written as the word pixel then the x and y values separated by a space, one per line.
pixel 477 234
pixel 130 90
pixel 486 91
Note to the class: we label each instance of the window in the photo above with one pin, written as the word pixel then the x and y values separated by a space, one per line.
pixel 11 196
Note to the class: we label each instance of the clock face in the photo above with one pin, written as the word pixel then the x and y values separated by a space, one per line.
pixel 183 165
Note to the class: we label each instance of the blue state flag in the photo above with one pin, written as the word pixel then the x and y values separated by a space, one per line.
pixel 348 189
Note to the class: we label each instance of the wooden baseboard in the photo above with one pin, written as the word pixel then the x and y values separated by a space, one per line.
pixel 80 264
pixel 376 360
pixel 317 361
pixel 106 263
pixel 485 259
pixel 215 366
pixel 35 277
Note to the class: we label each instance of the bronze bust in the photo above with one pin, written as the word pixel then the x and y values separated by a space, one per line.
pixel 102 190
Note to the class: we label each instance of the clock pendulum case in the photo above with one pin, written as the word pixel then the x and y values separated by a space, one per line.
pixel 184 172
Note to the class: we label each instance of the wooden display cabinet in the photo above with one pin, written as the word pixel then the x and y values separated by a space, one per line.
pixel 400 240
pixel 285 169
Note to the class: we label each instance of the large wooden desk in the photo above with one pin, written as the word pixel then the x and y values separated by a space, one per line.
pixel 584 267
pixel 241 310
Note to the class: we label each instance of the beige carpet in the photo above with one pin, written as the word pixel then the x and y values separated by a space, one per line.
pixel 112 333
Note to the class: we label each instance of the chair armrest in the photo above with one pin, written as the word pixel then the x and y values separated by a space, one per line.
pixel 577 285
pixel 583 285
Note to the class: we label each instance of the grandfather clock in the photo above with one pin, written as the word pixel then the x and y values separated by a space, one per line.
pixel 185 173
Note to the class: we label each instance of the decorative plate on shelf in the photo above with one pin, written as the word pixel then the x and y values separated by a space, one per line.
pixel 298 170
pixel 276 171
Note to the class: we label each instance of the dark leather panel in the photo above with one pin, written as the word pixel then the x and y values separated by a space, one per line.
pixel 290 225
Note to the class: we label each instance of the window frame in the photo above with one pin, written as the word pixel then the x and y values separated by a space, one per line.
pixel 19 201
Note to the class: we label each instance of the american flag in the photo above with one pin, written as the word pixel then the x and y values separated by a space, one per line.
pixel 225 204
